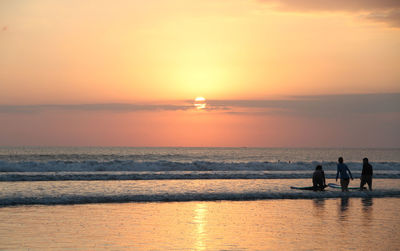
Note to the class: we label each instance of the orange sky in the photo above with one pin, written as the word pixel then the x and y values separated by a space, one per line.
pixel 153 54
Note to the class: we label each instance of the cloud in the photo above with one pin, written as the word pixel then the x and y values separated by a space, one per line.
pixel 386 11
pixel 392 18
pixel 309 106
pixel 112 107
pixel 337 5
pixel 321 105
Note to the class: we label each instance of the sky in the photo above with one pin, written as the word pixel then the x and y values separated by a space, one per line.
pixel 273 73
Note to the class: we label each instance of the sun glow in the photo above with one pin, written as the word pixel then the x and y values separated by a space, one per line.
pixel 200 103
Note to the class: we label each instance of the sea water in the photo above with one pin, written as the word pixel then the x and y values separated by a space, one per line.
pixel 59 175
pixel 279 224
pixel 193 198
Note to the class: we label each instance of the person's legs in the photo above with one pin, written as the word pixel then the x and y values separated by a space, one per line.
pixel 362 182
pixel 344 183
pixel 318 187
pixel 347 181
pixel 369 182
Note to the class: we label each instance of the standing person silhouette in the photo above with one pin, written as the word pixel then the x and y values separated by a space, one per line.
pixel 342 171
pixel 366 175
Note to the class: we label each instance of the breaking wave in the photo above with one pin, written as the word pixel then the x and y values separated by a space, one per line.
pixel 153 170
pixel 87 199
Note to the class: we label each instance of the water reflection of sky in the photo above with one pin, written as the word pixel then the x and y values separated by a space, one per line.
pixel 342 223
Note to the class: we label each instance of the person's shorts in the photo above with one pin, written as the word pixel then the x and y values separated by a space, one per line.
pixel 366 179
pixel 344 182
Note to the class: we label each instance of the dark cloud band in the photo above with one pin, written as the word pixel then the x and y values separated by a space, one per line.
pixel 385 11
pixel 112 107
pixel 319 105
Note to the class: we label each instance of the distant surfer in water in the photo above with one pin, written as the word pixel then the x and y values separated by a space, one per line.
pixel 343 171
pixel 366 175
pixel 318 179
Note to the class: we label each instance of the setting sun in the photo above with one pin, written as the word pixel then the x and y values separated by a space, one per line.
pixel 200 103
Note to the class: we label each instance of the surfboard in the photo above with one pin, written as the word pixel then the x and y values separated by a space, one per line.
pixel 336 186
pixel 302 188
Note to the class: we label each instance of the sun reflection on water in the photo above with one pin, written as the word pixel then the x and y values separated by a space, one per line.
pixel 200 221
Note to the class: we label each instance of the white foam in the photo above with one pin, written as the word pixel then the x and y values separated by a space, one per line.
pixel 169 175
pixel 85 199
pixel 116 169
pixel 129 165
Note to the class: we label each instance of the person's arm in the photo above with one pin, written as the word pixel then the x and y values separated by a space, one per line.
pixel 314 182
pixel 337 172
pixel 323 175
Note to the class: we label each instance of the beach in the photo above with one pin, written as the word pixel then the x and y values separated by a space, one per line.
pixel 96 198
pixel 306 224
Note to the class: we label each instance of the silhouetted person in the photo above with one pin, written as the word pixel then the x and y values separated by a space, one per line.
pixel 318 179
pixel 366 175
pixel 343 171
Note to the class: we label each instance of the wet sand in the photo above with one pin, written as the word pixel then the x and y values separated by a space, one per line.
pixel 319 224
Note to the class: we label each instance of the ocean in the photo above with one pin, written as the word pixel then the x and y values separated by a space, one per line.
pixel 194 199
pixel 76 175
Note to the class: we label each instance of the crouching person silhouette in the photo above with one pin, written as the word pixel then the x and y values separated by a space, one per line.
pixel 319 182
